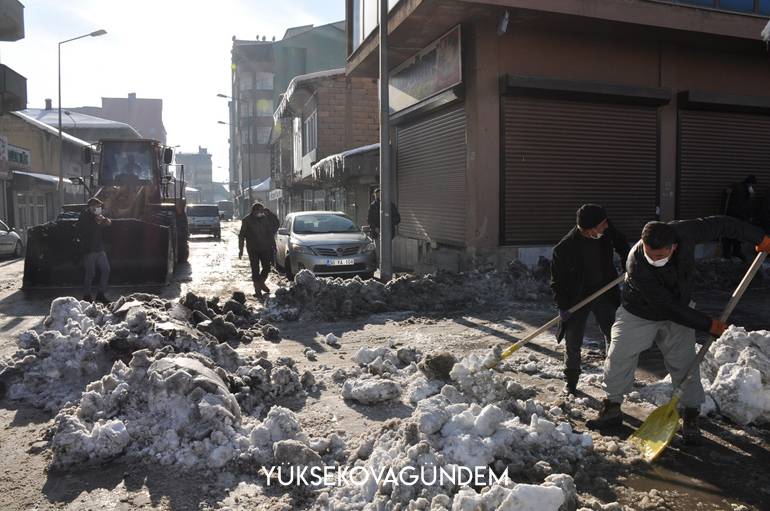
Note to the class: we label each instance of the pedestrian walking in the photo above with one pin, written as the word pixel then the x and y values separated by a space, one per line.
pixel 258 230
pixel 90 227
pixel 657 308
pixel 583 263
pixel 738 204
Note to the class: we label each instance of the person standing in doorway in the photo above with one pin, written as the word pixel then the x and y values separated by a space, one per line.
pixel 373 218
pixel 90 227
pixel 258 230
pixel 582 264
pixel 738 204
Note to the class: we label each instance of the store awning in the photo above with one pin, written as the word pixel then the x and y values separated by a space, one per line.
pixel 264 186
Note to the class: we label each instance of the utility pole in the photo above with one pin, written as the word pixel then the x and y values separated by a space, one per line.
pixel 386 197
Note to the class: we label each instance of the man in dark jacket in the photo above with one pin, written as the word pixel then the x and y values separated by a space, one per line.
pixel 738 204
pixel 258 230
pixel 582 264
pixel 657 308
pixel 373 216
pixel 90 225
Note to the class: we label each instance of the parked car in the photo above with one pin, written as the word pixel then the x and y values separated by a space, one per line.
pixel 225 209
pixel 204 219
pixel 10 242
pixel 326 242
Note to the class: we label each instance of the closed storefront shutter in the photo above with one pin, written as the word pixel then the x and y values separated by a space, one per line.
pixel 717 149
pixel 559 154
pixel 430 174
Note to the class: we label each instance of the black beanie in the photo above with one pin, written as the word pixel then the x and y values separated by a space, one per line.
pixel 590 215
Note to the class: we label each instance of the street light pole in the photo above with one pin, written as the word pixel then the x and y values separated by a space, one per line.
pixel 96 33
pixel 386 234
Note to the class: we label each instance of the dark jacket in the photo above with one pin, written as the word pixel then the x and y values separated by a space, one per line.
pixel 89 232
pixel 373 217
pixel 259 233
pixel 738 201
pixel 664 294
pixel 567 278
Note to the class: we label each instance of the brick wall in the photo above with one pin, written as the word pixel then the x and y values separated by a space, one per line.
pixel 348 114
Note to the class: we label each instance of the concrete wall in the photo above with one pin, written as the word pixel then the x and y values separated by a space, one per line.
pixel 347 114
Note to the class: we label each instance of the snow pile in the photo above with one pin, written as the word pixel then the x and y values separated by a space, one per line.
pixel 333 298
pixel 178 409
pixel 735 375
pixel 737 367
pixel 475 376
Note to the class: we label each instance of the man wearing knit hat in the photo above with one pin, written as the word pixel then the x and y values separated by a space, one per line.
pixel 582 264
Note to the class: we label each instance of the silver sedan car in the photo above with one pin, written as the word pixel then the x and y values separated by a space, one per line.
pixel 325 242
pixel 10 242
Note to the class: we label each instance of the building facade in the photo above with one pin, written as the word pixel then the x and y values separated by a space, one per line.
pixel 511 114
pixel 198 174
pixel 322 115
pixel 143 114
pixel 13 94
pixel 261 72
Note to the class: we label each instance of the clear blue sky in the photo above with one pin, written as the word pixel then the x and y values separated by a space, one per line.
pixel 176 50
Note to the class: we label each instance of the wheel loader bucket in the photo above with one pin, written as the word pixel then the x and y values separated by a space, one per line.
pixel 138 253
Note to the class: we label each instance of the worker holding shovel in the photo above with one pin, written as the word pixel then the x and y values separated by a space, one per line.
pixel 656 307
pixel 582 264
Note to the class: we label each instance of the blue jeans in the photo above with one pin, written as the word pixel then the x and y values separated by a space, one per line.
pixel 92 261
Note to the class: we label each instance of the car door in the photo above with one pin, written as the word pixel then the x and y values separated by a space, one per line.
pixel 6 239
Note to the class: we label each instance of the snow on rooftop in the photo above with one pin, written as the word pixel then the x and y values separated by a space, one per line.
pixel 297 80
pixel 50 129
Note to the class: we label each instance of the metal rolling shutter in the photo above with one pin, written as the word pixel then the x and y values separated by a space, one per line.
pixel 559 154
pixel 430 172
pixel 717 149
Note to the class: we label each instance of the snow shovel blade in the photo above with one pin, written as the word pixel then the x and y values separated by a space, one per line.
pixel 656 432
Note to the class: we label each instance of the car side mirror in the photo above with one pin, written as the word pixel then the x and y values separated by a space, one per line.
pixel 168 155
pixel 283 231
pixel 88 155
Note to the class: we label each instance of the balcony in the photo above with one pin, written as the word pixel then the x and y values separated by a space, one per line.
pixel 13 90
pixel 11 20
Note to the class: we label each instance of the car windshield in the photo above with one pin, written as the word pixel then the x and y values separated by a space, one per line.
pixel 323 224
pixel 202 211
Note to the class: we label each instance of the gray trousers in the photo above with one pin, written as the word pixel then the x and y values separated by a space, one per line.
pixel 631 335
pixel 92 261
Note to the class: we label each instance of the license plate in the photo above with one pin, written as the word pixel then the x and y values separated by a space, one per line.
pixel 340 262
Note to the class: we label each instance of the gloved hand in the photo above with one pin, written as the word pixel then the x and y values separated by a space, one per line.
pixel 564 315
pixel 765 245
pixel 717 327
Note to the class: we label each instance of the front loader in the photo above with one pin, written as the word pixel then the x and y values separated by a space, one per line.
pixel 146 204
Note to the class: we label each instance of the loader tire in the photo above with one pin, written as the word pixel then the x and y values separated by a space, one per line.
pixel 182 239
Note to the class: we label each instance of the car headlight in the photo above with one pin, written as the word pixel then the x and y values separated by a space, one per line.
pixel 371 247
pixel 301 249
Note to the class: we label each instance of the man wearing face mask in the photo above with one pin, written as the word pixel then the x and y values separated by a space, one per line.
pixel 90 225
pixel 657 308
pixel 258 231
pixel 738 204
pixel 582 264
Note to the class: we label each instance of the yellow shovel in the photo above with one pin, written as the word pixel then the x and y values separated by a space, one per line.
pixel 655 433
pixel 515 347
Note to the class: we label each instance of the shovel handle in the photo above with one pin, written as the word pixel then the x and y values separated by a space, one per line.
pixel 734 299
pixel 515 347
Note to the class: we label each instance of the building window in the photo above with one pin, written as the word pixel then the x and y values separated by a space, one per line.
pixel 310 132
pixel 265 107
pixel 747 6
pixel 263 135
pixel 246 81
pixel 365 17
pixel 264 81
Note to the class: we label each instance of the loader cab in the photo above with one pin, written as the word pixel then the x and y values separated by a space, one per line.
pixel 128 164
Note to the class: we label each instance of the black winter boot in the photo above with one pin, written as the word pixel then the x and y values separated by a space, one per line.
pixel 691 434
pixel 257 290
pixel 609 416
pixel 571 376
